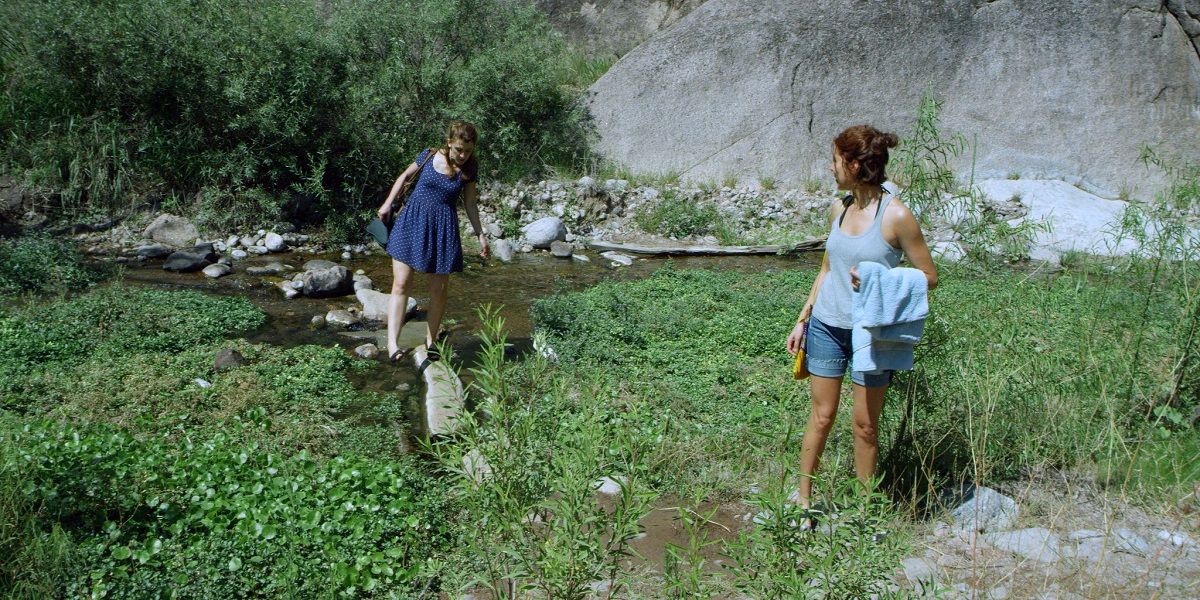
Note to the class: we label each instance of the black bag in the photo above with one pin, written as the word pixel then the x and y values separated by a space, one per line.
pixel 380 230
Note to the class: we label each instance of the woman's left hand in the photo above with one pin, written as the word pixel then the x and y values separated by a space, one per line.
pixel 484 251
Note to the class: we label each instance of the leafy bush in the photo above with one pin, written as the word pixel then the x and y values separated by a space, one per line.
pixel 41 264
pixel 211 518
pixel 110 322
pixel 677 216
pixel 278 104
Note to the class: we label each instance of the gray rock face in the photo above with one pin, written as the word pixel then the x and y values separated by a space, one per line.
pixel 1036 543
pixel 186 261
pixel 919 569
pixel 327 283
pixel 612 26
pixel 172 230
pixel 542 232
pixel 1053 90
pixel 985 509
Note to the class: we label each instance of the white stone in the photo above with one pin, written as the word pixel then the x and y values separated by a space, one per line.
pixel 618 258
pixel 581 258
pixel 274 242
pixel 367 351
pixel 239 254
pixel 503 250
pixel 542 232
pixel 246 241
pixel 217 270
pixel 1128 541
pixel 257 250
pixel 342 318
pixel 202 383
pixel 375 304
pixel 347 256
pixel 986 510
pixel 609 486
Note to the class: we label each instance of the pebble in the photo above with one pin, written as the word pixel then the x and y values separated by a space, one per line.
pixel 367 351
pixel 347 256
pixel 317 322
pixel 239 254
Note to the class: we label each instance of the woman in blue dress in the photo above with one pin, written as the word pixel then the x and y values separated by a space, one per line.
pixel 425 235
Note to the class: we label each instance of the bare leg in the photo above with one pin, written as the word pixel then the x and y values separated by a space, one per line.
pixel 397 305
pixel 868 403
pixel 438 286
pixel 825 392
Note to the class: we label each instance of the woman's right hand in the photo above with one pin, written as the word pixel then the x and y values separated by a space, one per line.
pixel 385 212
pixel 795 340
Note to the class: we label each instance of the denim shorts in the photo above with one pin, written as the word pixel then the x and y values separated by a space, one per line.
pixel 827 354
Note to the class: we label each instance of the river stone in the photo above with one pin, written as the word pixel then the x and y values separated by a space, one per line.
pixel 289 292
pixel 274 242
pixel 494 231
pixel 375 304
pixel 561 249
pixel 260 250
pixel 618 258
pixel 327 283
pixel 318 264
pixel 342 318
pixel 187 261
pixel 228 359
pixel 581 258
pixel 985 509
pixel 246 241
pixel 543 231
pixel 362 282
pixel 267 269
pixel 768 105
pixel 503 250
pixel 239 254
pixel 609 486
pixel 171 230
pixel 218 270
pixel 367 351
pixel 317 322
pixel 948 251
pixel 154 251
pixel 587 183
pixel 1036 543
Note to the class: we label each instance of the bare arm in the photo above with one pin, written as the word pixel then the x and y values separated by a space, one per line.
pixel 912 242
pixel 385 211
pixel 796 338
pixel 470 203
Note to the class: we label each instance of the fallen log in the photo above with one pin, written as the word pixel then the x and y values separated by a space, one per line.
pixel 809 245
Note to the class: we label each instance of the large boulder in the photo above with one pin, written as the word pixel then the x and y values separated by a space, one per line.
pixel 544 231
pixel 171 230
pixel 187 261
pixel 1047 89
pixel 327 283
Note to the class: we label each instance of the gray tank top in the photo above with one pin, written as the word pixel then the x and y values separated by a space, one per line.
pixel 834 300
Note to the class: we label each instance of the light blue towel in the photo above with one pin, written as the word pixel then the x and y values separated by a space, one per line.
pixel 889 314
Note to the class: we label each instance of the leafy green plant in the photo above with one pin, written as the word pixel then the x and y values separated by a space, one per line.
pixel 39 264
pixel 921 164
pixel 676 216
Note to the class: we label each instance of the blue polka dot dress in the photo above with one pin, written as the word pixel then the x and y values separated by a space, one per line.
pixel 425 235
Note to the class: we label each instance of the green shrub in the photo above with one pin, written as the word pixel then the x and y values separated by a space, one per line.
pixel 676 216
pixel 107 323
pixel 294 107
pixel 210 518
pixel 40 264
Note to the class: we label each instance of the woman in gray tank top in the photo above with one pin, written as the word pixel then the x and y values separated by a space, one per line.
pixel 868 225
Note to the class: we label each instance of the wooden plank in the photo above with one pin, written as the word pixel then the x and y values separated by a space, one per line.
pixel 809 245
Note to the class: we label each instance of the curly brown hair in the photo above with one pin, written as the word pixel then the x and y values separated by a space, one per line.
pixel 865 150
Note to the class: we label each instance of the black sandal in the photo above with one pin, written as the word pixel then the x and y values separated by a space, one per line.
pixel 399 355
